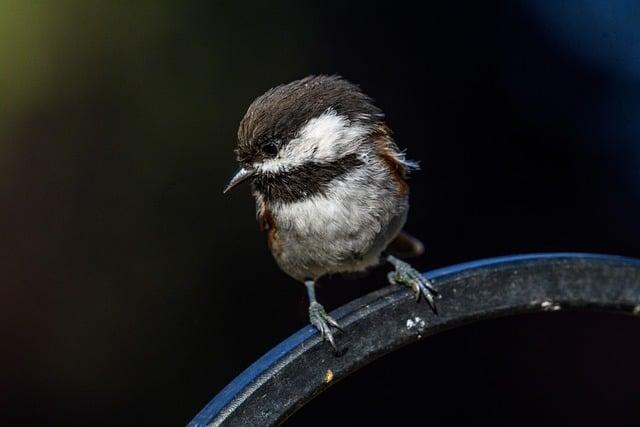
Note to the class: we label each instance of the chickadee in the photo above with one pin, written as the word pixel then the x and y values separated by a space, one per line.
pixel 329 183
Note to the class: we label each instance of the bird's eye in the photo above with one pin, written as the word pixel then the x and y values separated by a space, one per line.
pixel 270 149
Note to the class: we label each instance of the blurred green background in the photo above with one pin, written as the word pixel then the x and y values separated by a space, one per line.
pixel 117 124
pixel 131 290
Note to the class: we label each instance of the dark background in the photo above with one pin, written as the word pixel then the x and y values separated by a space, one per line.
pixel 132 291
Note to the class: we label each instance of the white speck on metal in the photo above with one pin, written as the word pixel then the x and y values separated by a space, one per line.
pixel 550 306
pixel 416 322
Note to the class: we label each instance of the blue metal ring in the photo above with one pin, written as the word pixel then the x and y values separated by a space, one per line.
pixel 224 400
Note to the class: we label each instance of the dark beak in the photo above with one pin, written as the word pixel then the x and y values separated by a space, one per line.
pixel 241 175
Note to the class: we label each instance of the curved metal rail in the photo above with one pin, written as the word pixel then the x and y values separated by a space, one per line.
pixel 302 366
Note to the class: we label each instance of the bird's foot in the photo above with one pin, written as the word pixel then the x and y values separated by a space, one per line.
pixel 408 276
pixel 323 322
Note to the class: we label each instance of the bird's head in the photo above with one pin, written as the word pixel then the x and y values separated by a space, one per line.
pixel 297 137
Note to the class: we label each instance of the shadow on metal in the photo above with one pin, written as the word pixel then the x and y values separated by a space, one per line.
pixel 303 366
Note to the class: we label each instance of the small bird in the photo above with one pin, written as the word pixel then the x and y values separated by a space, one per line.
pixel 329 184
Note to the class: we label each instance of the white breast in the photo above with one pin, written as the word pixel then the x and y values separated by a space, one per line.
pixel 343 230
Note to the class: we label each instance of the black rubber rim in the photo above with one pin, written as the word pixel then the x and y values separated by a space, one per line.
pixel 302 366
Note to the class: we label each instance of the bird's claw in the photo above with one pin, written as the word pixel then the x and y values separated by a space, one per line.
pixel 408 276
pixel 323 323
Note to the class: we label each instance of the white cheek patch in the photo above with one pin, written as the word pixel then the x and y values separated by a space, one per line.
pixel 323 139
pixel 327 137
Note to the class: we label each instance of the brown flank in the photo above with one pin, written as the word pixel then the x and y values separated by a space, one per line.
pixel 382 140
pixel 268 224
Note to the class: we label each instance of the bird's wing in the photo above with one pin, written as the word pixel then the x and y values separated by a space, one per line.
pixel 387 148
pixel 393 158
pixel 405 246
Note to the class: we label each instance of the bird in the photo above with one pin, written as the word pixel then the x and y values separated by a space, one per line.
pixel 330 186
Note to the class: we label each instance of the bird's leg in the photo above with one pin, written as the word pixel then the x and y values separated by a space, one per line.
pixel 408 276
pixel 319 317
